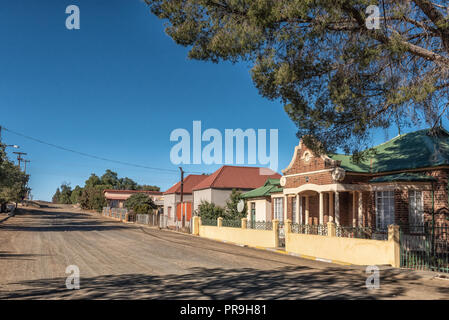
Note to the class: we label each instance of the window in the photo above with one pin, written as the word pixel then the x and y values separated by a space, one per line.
pixel 384 209
pixel 169 212
pixel 279 209
pixel 415 210
pixel 294 210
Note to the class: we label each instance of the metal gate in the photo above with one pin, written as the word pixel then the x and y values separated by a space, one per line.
pixel 281 234
pixel 425 247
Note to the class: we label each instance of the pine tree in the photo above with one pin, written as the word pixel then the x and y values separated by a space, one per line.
pixel 337 78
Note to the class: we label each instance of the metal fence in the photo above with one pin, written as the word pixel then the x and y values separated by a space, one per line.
pixel 209 222
pixel 314 229
pixel 425 247
pixel 148 219
pixel 361 232
pixel 118 213
pixel 231 223
pixel 260 225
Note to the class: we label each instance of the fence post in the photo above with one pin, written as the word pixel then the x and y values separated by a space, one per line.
pixel 275 223
pixel 196 226
pixel 288 226
pixel 244 223
pixel 219 222
pixel 395 245
pixel 331 229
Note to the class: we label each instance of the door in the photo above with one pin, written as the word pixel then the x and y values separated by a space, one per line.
pixel 178 212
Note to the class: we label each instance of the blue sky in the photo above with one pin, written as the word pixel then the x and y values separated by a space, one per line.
pixel 116 88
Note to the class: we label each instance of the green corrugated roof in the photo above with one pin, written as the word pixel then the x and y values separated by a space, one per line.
pixel 403 177
pixel 270 186
pixel 413 150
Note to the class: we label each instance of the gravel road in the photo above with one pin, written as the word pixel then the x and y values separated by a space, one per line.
pixel 127 261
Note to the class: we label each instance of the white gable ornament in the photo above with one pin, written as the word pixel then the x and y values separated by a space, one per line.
pixel 282 181
pixel 338 174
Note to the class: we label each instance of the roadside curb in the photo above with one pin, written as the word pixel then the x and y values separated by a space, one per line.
pixel 290 253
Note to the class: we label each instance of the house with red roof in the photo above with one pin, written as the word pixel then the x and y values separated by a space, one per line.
pixel 215 188
pixel 173 209
pixel 218 187
pixel 117 198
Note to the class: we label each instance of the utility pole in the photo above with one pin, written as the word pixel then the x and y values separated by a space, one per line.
pixel 182 195
pixel 19 156
pixel 182 183
pixel 25 162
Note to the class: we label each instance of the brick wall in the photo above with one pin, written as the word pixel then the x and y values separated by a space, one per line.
pixel 314 214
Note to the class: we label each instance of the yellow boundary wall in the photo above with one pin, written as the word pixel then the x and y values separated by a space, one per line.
pixel 354 251
pixel 330 247
pixel 249 237
pixel 349 250
pixel 242 236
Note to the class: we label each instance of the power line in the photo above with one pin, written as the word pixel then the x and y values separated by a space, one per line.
pixel 87 154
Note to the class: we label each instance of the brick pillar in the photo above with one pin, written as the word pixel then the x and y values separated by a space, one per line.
pixel 275 223
pixel 244 223
pixel 331 229
pixel 393 239
pixel 196 226
pixel 288 226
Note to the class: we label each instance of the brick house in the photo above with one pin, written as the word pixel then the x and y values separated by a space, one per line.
pixel 403 182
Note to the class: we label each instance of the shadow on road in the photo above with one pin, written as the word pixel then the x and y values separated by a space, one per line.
pixel 203 283
pixel 59 221
pixel 18 256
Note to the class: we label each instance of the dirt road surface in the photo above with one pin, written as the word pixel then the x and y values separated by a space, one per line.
pixel 126 261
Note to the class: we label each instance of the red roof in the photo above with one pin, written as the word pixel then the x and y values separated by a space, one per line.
pixel 189 182
pixel 132 191
pixel 230 177
pixel 112 194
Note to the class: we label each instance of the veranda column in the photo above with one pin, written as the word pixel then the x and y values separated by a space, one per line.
pixel 321 209
pixel 337 208
pixel 354 209
pixel 360 209
pixel 300 209
pixel 297 209
pixel 307 210
pixel 331 206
